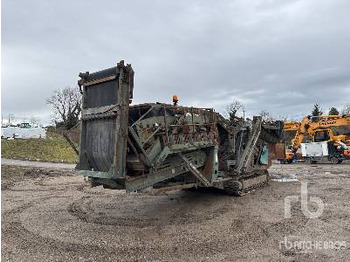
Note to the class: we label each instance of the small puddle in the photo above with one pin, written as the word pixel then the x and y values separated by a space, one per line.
pixel 284 178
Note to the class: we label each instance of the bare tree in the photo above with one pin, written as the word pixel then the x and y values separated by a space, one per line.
pixel 266 116
pixel 233 108
pixel 346 110
pixel 35 121
pixel 66 105
pixel 283 118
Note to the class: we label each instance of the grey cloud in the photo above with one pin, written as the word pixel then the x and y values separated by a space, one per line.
pixel 282 56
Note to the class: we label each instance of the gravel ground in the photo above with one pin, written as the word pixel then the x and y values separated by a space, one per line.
pixel 26 163
pixel 55 216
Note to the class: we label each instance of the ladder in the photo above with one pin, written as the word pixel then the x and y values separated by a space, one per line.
pixel 249 150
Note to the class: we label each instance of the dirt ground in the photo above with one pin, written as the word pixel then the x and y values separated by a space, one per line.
pixel 50 215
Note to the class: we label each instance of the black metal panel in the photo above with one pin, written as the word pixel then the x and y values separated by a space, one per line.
pixel 102 94
pixel 103 137
pixel 101 74
pixel 99 143
pixel 340 130
pixel 98 137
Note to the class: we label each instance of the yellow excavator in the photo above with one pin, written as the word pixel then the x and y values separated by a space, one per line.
pixel 335 129
pixel 290 129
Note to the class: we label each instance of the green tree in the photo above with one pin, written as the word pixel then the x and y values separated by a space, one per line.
pixel 333 111
pixel 316 111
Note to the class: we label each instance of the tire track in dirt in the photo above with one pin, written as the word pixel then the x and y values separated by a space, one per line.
pixel 169 211
pixel 106 225
pixel 14 233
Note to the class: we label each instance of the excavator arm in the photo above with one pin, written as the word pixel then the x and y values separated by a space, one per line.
pixel 301 133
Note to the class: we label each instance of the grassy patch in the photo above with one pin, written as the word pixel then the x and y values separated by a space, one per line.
pixel 53 149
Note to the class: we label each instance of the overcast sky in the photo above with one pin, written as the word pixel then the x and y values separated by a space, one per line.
pixel 279 56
